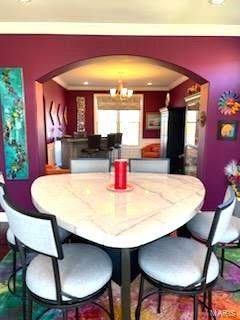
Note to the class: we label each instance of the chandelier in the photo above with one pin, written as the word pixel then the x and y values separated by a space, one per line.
pixel 121 91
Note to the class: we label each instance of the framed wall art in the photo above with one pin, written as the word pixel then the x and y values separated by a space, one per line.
pixel 227 129
pixel 12 105
pixel 153 121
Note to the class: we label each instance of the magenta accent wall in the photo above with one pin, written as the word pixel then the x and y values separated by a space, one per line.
pixel 152 102
pixel 54 99
pixel 178 93
pixel 216 59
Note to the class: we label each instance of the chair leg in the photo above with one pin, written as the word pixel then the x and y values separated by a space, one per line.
pixel 159 302
pixel 29 307
pixel 110 297
pixel 210 310
pixel 65 314
pixel 77 314
pixel 138 309
pixel 204 300
pixel 195 309
pixel 14 269
pixel 222 261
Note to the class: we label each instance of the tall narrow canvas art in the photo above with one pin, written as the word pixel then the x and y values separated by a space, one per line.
pixel 12 106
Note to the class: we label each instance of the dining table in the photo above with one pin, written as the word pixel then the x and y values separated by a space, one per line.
pixel 152 207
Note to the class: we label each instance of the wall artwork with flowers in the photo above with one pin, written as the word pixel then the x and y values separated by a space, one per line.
pixel 232 172
pixel 12 106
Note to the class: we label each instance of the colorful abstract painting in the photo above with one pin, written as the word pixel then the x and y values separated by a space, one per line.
pixel 13 122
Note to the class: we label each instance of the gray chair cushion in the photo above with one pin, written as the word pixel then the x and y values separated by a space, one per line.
pixel 10 237
pixel 84 270
pixel 177 261
pixel 200 226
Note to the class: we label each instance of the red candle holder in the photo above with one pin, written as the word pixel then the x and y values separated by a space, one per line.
pixel 120 182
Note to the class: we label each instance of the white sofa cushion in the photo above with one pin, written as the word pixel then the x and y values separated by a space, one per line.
pixel 84 270
pixel 200 226
pixel 177 261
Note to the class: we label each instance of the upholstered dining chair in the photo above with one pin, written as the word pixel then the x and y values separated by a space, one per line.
pixel 93 145
pixel 59 276
pixel 157 165
pixel 183 266
pixel 118 143
pixel 64 234
pixel 90 165
pixel 200 226
pixel 11 242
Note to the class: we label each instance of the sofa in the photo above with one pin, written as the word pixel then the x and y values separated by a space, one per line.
pixel 151 151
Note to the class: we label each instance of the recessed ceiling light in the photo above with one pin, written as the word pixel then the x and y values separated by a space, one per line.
pixel 85 83
pixel 149 83
pixel 24 0
pixel 216 1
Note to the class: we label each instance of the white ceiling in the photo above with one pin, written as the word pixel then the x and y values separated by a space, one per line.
pixel 154 17
pixel 104 72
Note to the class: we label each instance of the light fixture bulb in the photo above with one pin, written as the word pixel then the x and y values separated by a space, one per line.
pixel 216 1
pixel 85 83
pixel 149 83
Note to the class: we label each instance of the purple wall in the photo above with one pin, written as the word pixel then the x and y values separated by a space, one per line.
pixel 216 59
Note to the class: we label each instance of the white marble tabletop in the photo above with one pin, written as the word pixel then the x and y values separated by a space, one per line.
pixel 158 205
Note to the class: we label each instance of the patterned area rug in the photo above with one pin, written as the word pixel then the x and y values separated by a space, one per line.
pixel 226 306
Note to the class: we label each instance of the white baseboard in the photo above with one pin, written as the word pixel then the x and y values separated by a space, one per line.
pixel 3 217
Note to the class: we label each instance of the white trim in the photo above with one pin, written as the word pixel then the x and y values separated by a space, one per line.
pixel 79 28
pixel 3 216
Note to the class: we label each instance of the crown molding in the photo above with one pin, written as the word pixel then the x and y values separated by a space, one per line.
pixel 107 88
pixel 78 28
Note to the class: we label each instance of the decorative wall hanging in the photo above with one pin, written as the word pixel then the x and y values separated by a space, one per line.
pixel 153 120
pixel 227 130
pixel 50 112
pixel 13 122
pixel 229 103
pixel 81 105
pixel 58 114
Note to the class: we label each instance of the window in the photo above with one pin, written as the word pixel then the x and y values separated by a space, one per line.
pixel 125 121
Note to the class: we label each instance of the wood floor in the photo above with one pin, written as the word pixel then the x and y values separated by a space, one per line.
pixel 3 243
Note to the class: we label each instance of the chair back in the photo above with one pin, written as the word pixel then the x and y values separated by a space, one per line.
pixel 111 138
pixel 2 180
pixel 2 188
pixel 89 165
pixel 35 231
pixel 94 141
pixel 118 138
pixel 222 217
pixel 155 165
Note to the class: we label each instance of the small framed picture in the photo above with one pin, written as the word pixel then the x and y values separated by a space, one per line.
pixel 153 120
pixel 227 129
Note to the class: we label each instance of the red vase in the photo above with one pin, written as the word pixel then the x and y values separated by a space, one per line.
pixel 120 174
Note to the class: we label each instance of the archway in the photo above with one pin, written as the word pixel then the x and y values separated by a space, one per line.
pixel 197 78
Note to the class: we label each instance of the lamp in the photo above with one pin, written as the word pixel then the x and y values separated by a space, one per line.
pixel 120 91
